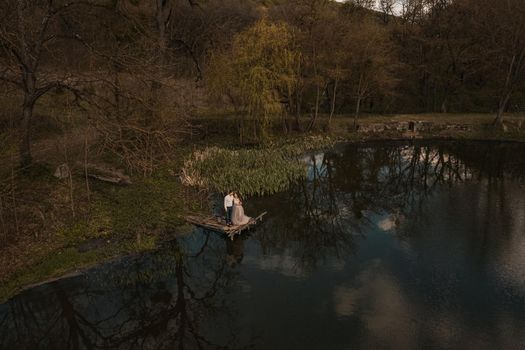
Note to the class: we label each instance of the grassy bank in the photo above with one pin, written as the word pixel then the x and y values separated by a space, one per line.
pixel 112 221
pixel 54 236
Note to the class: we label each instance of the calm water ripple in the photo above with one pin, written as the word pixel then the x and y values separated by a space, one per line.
pixel 383 246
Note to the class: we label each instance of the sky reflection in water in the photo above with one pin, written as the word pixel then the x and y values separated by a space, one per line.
pixel 389 246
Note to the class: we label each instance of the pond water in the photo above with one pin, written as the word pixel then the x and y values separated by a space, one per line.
pixel 383 246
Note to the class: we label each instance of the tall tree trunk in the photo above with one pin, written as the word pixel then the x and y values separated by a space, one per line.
pixel 502 106
pixel 241 129
pixel 117 94
pixel 359 98
pixel 86 153
pixel 298 101
pixel 317 90
pixel 161 17
pixel 444 105
pixel 26 157
pixel 332 107
pixel 288 110
pixel 357 110
pixel 13 199
pixel 254 129
pixel 507 92
pixel 284 122
pixel 2 221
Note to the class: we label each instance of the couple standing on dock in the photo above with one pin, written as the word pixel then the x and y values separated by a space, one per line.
pixel 234 210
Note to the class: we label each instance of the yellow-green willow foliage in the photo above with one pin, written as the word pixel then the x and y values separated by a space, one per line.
pixel 256 74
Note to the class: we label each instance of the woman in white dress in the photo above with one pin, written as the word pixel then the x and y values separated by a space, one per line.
pixel 238 217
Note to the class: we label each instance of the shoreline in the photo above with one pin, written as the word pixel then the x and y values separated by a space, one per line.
pixel 37 272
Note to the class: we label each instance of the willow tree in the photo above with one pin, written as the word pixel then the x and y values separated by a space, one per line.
pixel 258 73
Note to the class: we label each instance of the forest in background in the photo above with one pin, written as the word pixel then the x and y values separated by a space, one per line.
pixel 131 84
pixel 136 67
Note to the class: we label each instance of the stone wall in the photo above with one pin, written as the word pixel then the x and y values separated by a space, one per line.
pixel 412 127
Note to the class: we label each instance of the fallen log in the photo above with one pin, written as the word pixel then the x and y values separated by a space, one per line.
pixel 105 174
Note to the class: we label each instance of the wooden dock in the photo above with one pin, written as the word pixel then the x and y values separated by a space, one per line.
pixel 218 224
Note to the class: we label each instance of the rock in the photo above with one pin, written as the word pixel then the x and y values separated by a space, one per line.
pixel 402 126
pixel 62 171
pixel 372 128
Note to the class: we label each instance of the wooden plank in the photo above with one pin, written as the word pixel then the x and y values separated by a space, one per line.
pixel 214 223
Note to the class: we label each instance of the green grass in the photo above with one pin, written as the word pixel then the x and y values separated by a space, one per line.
pixel 150 204
pixel 135 218
pixel 55 264
pixel 126 219
pixel 65 260
pixel 255 171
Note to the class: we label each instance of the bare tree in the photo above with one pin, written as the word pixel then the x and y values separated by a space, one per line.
pixel 388 9
pixel 371 63
pixel 29 36
pixel 502 28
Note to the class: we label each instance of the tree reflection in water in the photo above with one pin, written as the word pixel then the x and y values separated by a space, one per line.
pixel 171 299
pixel 190 294
pixel 348 189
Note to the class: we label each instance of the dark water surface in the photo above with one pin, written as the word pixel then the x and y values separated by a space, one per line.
pixel 384 246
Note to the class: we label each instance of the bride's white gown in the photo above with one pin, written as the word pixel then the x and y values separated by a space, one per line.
pixel 238 217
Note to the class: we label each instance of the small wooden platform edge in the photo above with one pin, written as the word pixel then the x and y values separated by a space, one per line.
pixel 216 223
